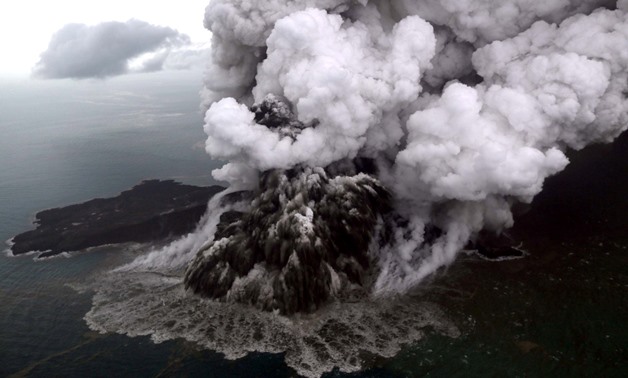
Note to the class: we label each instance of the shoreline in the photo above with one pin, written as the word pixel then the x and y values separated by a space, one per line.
pixel 150 211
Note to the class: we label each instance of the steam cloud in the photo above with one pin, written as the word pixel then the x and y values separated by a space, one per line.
pixel 80 51
pixel 466 107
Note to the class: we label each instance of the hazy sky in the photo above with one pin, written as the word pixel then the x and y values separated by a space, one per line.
pixel 26 26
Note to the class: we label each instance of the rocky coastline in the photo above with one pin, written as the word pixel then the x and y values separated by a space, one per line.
pixel 152 210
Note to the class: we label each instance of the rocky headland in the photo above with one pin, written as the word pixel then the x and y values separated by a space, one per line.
pixel 151 211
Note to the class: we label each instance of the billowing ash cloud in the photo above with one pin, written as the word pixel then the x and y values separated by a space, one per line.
pixel 465 108
pixel 81 51
pixel 305 238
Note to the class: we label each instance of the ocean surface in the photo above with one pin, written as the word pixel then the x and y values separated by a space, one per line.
pixel 560 311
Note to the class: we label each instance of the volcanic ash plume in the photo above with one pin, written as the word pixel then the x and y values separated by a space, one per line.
pixel 457 110
pixel 304 239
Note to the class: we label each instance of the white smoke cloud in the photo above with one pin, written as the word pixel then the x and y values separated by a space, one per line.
pixel 80 51
pixel 484 21
pixel 467 106
pixel 546 89
pixel 346 89
pixel 239 33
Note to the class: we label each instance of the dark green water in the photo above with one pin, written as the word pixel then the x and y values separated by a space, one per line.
pixel 561 311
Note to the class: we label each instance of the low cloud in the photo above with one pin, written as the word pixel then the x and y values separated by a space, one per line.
pixel 80 51
pixel 184 58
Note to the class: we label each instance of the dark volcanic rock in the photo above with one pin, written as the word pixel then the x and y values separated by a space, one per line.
pixel 275 112
pixel 150 211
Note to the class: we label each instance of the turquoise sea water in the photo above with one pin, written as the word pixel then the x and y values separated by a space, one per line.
pixel 559 312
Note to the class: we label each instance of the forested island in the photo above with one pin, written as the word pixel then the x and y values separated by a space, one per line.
pixel 152 210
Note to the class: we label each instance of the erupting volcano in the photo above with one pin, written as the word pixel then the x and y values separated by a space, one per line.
pixel 367 143
pixel 380 138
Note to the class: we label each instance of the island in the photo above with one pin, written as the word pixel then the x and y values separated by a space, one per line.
pixel 152 210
